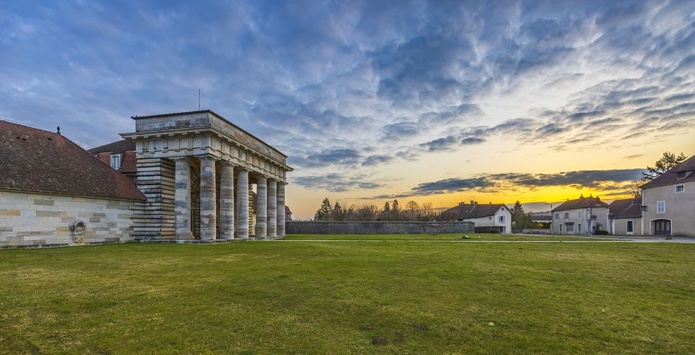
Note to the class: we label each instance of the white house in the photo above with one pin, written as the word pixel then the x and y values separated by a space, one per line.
pixel 490 217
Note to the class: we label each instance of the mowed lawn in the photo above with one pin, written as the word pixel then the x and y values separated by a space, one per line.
pixel 386 294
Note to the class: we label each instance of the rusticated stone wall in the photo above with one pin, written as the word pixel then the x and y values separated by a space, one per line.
pixel 311 227
pixel 32 219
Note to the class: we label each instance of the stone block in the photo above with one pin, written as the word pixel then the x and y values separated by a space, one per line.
pixel 10 212
pixel 44 202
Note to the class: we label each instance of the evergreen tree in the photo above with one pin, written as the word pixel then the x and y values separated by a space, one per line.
pixel 324 212
pixel 518 216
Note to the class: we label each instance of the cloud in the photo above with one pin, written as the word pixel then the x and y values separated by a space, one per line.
pixel 472 140
pixel 607 180
pixel 374 160
pixel 336 183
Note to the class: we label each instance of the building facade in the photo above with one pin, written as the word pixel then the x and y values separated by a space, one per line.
pixel 197 171
pixel 490 217
pixel 585 215
pixel 669 201
pixel 625 217
pixel 53 192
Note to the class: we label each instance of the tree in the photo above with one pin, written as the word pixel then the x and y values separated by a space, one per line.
pixel 518 216
pixel 394 209
pixel 412 209
pixel 667 162
pixel 337 214
pixel 426 213
pixel 324 212
pixel 636 187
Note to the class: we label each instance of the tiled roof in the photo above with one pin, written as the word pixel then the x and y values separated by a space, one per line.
pixel 582 202
pixel 682 172
pixel 35 160
pixel 116 147
pixel 474 210
pixel 125 147
pixel 629 208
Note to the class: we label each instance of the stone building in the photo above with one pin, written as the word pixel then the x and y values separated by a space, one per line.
pixel 485 217
pixel 669 201
pixel 119 155
pixel 53 192
pixel 198 172
pixel 585 215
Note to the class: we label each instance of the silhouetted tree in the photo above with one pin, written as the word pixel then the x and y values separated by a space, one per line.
pixel 667 161
pixel 324 212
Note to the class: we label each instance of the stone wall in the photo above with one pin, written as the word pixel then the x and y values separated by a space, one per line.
pixel 311 227
pixel 32 219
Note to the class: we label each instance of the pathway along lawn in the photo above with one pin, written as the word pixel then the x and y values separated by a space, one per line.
pixel 279 297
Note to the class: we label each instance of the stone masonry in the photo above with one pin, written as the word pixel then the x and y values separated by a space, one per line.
pixel 198 172
pixel 33 219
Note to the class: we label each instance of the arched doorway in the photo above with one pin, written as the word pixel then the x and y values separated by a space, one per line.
pixel 661 227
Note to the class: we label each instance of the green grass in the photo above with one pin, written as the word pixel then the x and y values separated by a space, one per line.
pixel 323 297
pixel 442 237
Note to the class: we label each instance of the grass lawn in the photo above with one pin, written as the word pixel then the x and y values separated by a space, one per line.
pixel 359 297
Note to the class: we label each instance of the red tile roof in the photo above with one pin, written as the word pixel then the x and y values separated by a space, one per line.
pixel 682 172
pixel 629 208
pixel 125 147
pixel 35 160
pixel 582 202
pixel 116 147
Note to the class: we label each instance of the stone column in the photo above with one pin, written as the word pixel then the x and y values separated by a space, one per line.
pixel 208 199
pixel 281 209
pixel 182 199
pixel 272 208
pixel 242 204
pixel 261 208
pixel 226 201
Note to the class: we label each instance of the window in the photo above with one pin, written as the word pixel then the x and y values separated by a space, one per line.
pixel 570 228
pixel 661 206
pixel 579 227
pixel 116 161
pixel 579 215
pixel 501 219
pixel 629 226
pixel 567 215
pixel 680 188
pixel 557 216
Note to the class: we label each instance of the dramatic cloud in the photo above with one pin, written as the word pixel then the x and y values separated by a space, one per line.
pixel 336 183
pixel 486 183
pixel 357 87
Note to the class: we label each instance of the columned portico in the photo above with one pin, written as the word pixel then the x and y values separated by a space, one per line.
pixel 281 209
pixel 226 201
pixel 195 168
pixel 208 199
pixel 261 208
pixel 242 205
pixel 272 208
pixel 182 199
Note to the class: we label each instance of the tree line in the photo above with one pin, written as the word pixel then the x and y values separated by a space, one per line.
pixel 390 212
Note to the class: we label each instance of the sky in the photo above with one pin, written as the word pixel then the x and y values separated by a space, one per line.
pixel 435 102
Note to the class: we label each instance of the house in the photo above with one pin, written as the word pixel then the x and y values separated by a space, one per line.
pixel 119 155
pixel 625 217
pixel 585 215
pixel 53 192
pixel 669 201
pixel 490 217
